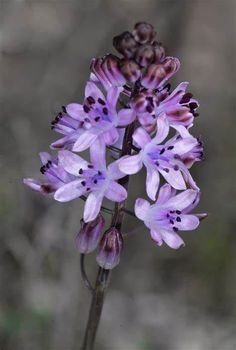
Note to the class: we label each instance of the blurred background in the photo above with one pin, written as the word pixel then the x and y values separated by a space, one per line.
pixel 159 299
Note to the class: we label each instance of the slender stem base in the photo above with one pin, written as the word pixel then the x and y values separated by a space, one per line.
pixel 96 308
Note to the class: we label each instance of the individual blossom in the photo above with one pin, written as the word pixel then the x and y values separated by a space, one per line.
pixel 93 179
pixel 110 249
pixel 55 175
pixel 169 214
pixel 90 234
pixel 97 119
pixel 179 107
pixel 159 158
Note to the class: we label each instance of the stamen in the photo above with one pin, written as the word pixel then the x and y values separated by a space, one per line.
pixel 166 170
pixel 96 119
pixel 63 109
pixel 81 171
pixel 178 212
pixel 83 183
pixel 175 228
pixel 178 219
pixel 90 100
pixel 86 108
pixel 172 222
pixel 95 181
pixel 90 166
pixel 176 167
pixel 105 110
pixel 162 150
pixel 101 101
pixel 88 189
pixel 170 148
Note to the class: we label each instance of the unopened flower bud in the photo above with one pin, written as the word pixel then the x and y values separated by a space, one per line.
pixel 159 52
pixel 89 234
pixel 125 44
pixel 130 70
pixel 143 32
pixel 110 249
pixel 145 55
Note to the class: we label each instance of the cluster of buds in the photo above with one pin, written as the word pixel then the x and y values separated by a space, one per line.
pixel 127 102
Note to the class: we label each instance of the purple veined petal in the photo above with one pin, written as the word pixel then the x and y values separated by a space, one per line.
pixel 172 239
pixel 45 157
pixel 162 129
pixel 188 178
pixel 130 164
pixel 110 136
pixel 177 93
pixel 66 142
pixel 188 222
pixel 141 137
pixel 91 89
pixel 71 162
pixel 171 66
pixel 75 110
pixel 45 188
pixel 116 192
pixel 156 236
pixel 146 119
pixel 33 184
pixel 114 172
pixel 93 205
pixel 94 79
pixel 141 208
pixel 165 192
pixel 98 71
pixel 184 145
pixel 112 96
pixel 182 200
pixel 152 182
pixel 174 178
pixel 126 116
pixel 98 153
pixel 86 139
pixel 182 130
pixel 70 191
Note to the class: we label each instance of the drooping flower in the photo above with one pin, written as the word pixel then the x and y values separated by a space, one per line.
pixel 93 179
pixel 158 158
pixel 96 119
pixel 110 249
pixel 55 175
pixel 169 215
pixel 90 234
pixel 179 107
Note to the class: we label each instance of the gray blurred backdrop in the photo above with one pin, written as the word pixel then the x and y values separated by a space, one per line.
pixel 159 299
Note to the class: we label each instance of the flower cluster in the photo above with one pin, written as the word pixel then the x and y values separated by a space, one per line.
pixel 127 102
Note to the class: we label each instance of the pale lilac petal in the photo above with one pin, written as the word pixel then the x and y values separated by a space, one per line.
pixel 98 153
pixel 172 239
pixel 70 191
pixel 156 236
pixel 164 194
pixel 33 184
pixel 174 178
pixel 141 137
pixel 188 222
pixel 141 208
pixel 71 162
pixel 116 192
pixel 75 110
pixel 92 206
pixel 184 145
pixel 45 157
pixel 126 116
pixel 59 144
pixel 182 200
pixel 152 182
pixel 111 136
pixel 85 140
pixel 177 93
pixel 91 89
pixel 182 130
pixel 114 172
pixel 146 119
pixel 113 95
pixel 162 129
pixel 130 164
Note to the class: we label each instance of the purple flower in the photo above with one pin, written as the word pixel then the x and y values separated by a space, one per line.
pixel 179 107
pixel 164 159
pixel 89 234
pixel 96 119
pixel 110 249
pixel 169 214
pixel 55 175
pixel 93 179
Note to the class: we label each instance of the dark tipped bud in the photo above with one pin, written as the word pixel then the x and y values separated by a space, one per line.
pixel 145 55
pixel 89 235
pixel 130 70
pixel 159 52
pixel 110 249
pixel 125 44
pixel 143 33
